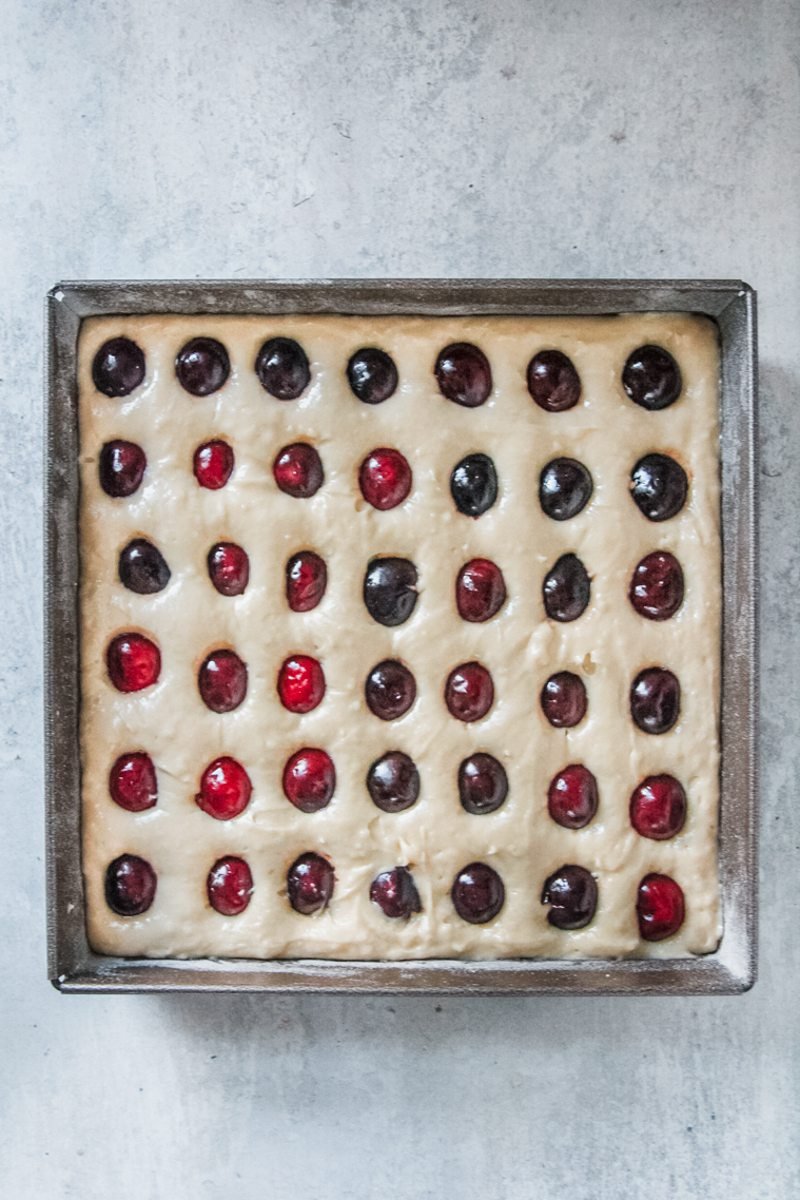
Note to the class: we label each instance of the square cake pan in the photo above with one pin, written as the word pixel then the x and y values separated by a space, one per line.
pixel 72 965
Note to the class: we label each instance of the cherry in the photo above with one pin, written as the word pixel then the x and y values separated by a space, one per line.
pixel 553 381
pixel 130 885
pixel 306 581
pixel 473 485
pixel 572 797
pixel 659 486
pixel 563 700
pixel 222 681
pixel 229 886
pixel 480 590
pixel 565 487
pixel 390 590
pixel 225 789
pixel 228 568
pixel 372 375
pixel 482 784
pixel 213 464
pixel 298 470
pixel 385 478
pixel 309 779
pixel 469 692
pixel 133 662
pixel 393 782
pixel 655 700
pixel 660 907
pixel 656 589
pixel 202 366
pixel 571 893
pixel 121 466
pixel 658 807
pixel 301 683
pixel 132 782
pixel 463 374
pixel 395 893
pixel 310 881
pixel 118 367
pixel 390 690
pixel 652 378
pixel 282 367
pixel 142 568
pixel 478 893
pixel 566 589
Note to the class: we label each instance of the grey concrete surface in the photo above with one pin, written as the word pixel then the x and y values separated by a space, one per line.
pixel 308 138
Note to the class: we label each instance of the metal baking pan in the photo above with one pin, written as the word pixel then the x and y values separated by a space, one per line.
pixel 73 967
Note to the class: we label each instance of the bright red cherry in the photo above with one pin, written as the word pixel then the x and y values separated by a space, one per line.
pixel 385 478
pixel 572 797
pixel 298 470
pixel 301 683
pixel 306 581
pixel 225 789
pixel 228 568
pixel 229 886
pixel 658 807
pixel 656 589
pixel 132 782
pixel 130 885
pixel 309 779
pixel 469 692
pixel 563 700
pixel 478 893
pixel 213 464
pixel 660 907
pixel 395 893
pixel 310 882
pixel 480 590
pixel 121 467
pixel 222 681
pixel 133 662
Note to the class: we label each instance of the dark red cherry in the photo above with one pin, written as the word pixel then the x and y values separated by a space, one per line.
pixel 652 378
pixel 213 464
pixel 282 367
pixel 469 692
pixel 482 784
pixel 656 589
pixel 225 789
pixel 229 886
pixel 553 381
pixel 142 568
pixel 478 893
pixel 390 590
pixel 564 700
pixel 133 662
pixel 306 581
pixel 372 375
pixel 655 700
pixel 121 466
pixel 393 782
pixel 480 590
pixel 118 367
pixel 658 807
pixel 660 907
pixel 572 797
pixel 571 893
pixel 385 478
pixel 228 568
pixel 202 366
pixel 132 782
pixel 659 487
pixel 301 683
pixel 222 681
pixel 395 893
pixel 463 374
pixel 390 690
pixel 130 885
pixel 310 881
pixel 473 485
pixel 309 779
pixel 565 487
pixel 566 589
pixel 298 470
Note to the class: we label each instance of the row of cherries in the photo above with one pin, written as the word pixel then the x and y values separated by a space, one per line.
pixel 133 662
pixel 477 893
pixel 651 377
pixel 657 805
pixel 658 483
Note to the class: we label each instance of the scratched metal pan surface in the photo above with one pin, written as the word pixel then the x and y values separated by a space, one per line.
pixel 72 965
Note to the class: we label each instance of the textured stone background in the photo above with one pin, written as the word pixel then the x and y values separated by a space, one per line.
pixel 297 137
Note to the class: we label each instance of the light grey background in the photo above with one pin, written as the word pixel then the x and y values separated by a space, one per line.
pixel 158 138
